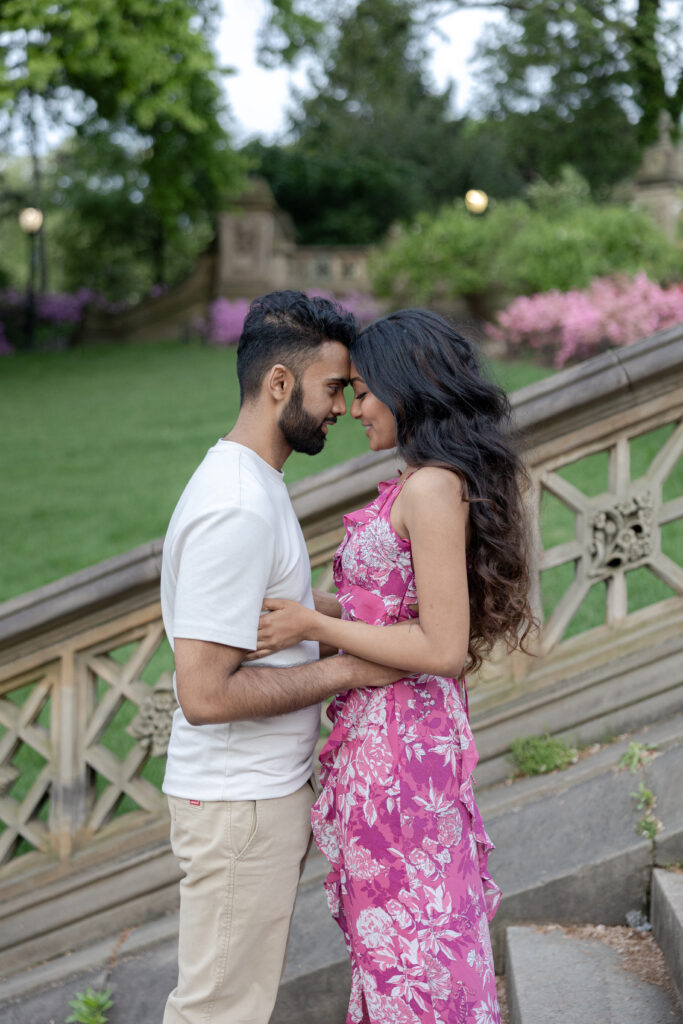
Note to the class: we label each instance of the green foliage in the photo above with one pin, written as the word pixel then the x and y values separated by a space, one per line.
pixel 374 143
pixel 636 756
pixel 558 238
pixel 105 231
pixel 90 1007
pixel 648 825
pixel 538 755
pixel 559 82
pixel 644 797
pixel 136 82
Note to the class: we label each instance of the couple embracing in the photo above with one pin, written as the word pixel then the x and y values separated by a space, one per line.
pixel 430 575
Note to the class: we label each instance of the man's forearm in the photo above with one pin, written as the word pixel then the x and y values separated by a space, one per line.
pixel 259 691
pixel 326 603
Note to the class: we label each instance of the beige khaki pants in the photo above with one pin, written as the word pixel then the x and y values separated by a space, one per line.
pixel 242 861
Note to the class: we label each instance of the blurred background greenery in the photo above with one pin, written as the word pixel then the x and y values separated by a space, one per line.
pixel 115 123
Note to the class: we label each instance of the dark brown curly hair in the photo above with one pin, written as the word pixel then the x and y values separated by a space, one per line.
pixel 448 414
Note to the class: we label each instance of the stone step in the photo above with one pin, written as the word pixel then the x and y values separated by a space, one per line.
pixel 567 850
pixel 314 988
pixel 554 978
pixel 667 922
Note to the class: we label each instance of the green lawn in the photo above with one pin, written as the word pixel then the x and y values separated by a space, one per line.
pixel 98 443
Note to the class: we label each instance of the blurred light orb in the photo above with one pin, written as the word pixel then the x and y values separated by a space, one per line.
pixel 31 220
pixel 476 201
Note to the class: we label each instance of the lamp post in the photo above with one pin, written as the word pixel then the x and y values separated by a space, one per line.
pixel 30 222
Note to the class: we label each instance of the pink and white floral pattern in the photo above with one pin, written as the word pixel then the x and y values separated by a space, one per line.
pixel 397 818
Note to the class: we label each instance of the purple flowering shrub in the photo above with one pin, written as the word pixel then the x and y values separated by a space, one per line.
pixel 569 326
pixel 57 315
pixel 5 348
pixel 225 321
pixel 226 317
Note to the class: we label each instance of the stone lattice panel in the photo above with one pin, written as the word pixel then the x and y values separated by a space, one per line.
pixel 108 713
pixel 26 765
pixel 616 532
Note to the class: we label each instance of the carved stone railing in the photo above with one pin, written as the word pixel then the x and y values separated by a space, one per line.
pixel 85 697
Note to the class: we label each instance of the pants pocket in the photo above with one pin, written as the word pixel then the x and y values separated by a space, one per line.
pixel 243 825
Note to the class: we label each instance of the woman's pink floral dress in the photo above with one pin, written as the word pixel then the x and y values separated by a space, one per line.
pixel 397 819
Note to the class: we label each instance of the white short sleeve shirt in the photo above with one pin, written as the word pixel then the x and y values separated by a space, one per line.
pixel 234 540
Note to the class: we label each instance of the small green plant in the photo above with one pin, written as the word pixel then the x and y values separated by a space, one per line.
pixel 637 755
pixel 648 825
pixel 645 798
pixel 537 755
pixel 90 1007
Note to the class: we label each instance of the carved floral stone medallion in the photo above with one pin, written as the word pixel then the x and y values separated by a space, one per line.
pixel 620 535
pixel 152 725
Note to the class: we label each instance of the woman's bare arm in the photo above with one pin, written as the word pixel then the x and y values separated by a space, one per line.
pixel 435 517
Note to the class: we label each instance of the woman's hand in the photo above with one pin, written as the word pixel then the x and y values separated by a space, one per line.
pixel 286 623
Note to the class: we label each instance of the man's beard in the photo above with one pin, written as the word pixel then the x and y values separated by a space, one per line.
pixel 301 431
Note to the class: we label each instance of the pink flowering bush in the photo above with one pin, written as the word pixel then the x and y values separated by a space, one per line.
pixel 226 317
pixel 572 325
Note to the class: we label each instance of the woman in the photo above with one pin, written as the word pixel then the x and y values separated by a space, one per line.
pixel 397 818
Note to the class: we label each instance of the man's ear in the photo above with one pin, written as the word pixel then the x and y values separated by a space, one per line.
pixel 279 382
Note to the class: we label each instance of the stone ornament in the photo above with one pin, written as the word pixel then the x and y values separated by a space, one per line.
pixel 620 535
pixel 151 727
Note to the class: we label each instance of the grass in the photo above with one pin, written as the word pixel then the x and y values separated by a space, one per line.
pixel 99 442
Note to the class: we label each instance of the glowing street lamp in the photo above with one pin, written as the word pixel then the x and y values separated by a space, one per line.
pixel 476 201
pixel 30 222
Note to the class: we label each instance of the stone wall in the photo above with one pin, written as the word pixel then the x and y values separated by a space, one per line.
pixel 254 252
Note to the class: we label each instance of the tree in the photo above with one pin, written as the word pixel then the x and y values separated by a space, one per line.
pixel 373 143
pixel 138 72
pixel 641 39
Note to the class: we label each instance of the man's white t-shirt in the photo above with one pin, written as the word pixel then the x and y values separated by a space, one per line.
pixel 234 540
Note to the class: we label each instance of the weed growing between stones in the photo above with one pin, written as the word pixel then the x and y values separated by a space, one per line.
pixel 636 756
pixel 538 755
pixel 646 801
pixel 90 1007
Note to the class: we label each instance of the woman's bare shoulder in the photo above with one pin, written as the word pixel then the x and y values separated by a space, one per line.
pixel 433 483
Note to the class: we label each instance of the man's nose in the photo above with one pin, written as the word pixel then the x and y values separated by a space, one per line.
pixel 339 405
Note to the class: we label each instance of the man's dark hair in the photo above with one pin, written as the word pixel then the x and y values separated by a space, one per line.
pixel 287 327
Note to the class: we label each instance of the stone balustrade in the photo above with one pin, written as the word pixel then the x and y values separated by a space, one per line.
pixel 85 670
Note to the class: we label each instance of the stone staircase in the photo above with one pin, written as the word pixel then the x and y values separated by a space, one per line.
pixel 568 855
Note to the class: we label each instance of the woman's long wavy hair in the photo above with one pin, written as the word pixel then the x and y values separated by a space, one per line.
pixel 447 414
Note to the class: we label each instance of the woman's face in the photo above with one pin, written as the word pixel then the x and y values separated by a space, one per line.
pixel 376 417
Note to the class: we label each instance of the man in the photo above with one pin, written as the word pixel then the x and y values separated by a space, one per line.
pixel 241 750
